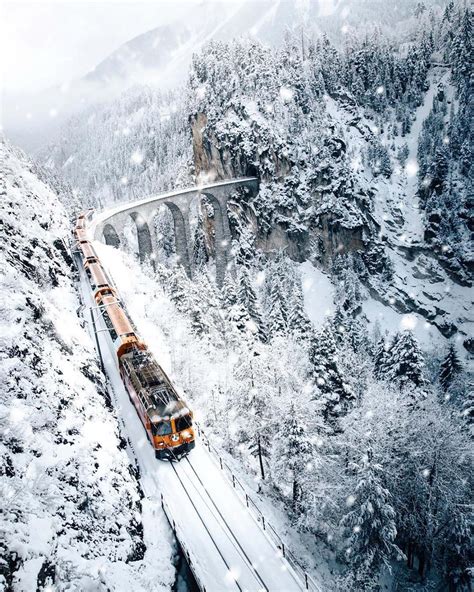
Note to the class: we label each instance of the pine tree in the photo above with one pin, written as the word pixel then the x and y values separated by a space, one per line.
pixel 292 453
pixel 381 358
pixel 371 521
pixel 440 166
pixel 332 394
pixel 200 256
pixel 450 367
pixel 298 322
pixel 228 291
pixel 239 317
pixel 405 362
pixel 458 551
pixel 244 249
pixel 248 299
pixel 178 291
pixel 276 321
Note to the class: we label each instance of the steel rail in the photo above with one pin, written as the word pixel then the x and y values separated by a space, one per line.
pixel 205 526
pixel 252 567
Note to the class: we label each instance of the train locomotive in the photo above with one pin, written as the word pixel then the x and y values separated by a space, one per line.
pixel 166 418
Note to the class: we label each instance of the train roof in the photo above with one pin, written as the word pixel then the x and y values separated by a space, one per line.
pixel 163 402
pixel 87 249
pixel 117 316
pixel 98 274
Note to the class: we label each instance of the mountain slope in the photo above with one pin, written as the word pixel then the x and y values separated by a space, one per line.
pixel 70 498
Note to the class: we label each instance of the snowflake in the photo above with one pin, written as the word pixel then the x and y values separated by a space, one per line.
pixel 446 140
pixel 380 90
pixel 426 473
pixel 356 529
pixel 137 157
pixel 350 500
pixel 411 168
pixel 124 180
pixel 286 94
pixel 53 112
pixel 409 321
pixel 344 29
pixel 320 381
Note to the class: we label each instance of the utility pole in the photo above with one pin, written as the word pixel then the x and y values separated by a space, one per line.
pixel 97 341
pixel 260 459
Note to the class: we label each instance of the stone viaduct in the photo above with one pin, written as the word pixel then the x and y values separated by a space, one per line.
pixel 109 224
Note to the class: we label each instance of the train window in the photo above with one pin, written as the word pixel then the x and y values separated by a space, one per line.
pixel 109 325
pixel 183 423
pixel 163 428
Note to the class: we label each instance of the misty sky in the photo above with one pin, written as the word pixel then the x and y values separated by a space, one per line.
pixel 44 43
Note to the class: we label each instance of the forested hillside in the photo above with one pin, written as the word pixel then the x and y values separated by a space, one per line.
pixel 124 149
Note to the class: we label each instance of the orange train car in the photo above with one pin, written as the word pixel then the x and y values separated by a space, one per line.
pixel 99 281
pixel 166 418
pixel 88 253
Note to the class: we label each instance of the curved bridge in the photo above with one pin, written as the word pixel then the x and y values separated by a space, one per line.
pixel 109 225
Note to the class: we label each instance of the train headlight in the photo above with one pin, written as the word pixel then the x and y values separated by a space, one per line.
pixel 186 434
pixel 174 437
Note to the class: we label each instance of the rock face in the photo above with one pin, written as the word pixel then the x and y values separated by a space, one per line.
pixel 213 162
pixel 210 161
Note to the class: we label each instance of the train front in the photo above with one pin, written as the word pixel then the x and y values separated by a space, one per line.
pixel 173 432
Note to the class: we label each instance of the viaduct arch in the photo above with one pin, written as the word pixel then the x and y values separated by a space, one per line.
pixel 109 225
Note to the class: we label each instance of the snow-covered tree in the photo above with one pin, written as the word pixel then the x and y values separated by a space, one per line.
pixel 228 291
pixel 248 299
pixel 381 358
pixel 405 362
pixel 371 519
pixel 200 256
pixel 450 368
pixel 331 392
pixel 291 455
pixel 298 322
pixel 276 311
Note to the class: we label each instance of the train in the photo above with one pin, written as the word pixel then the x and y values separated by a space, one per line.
pixel 165 416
